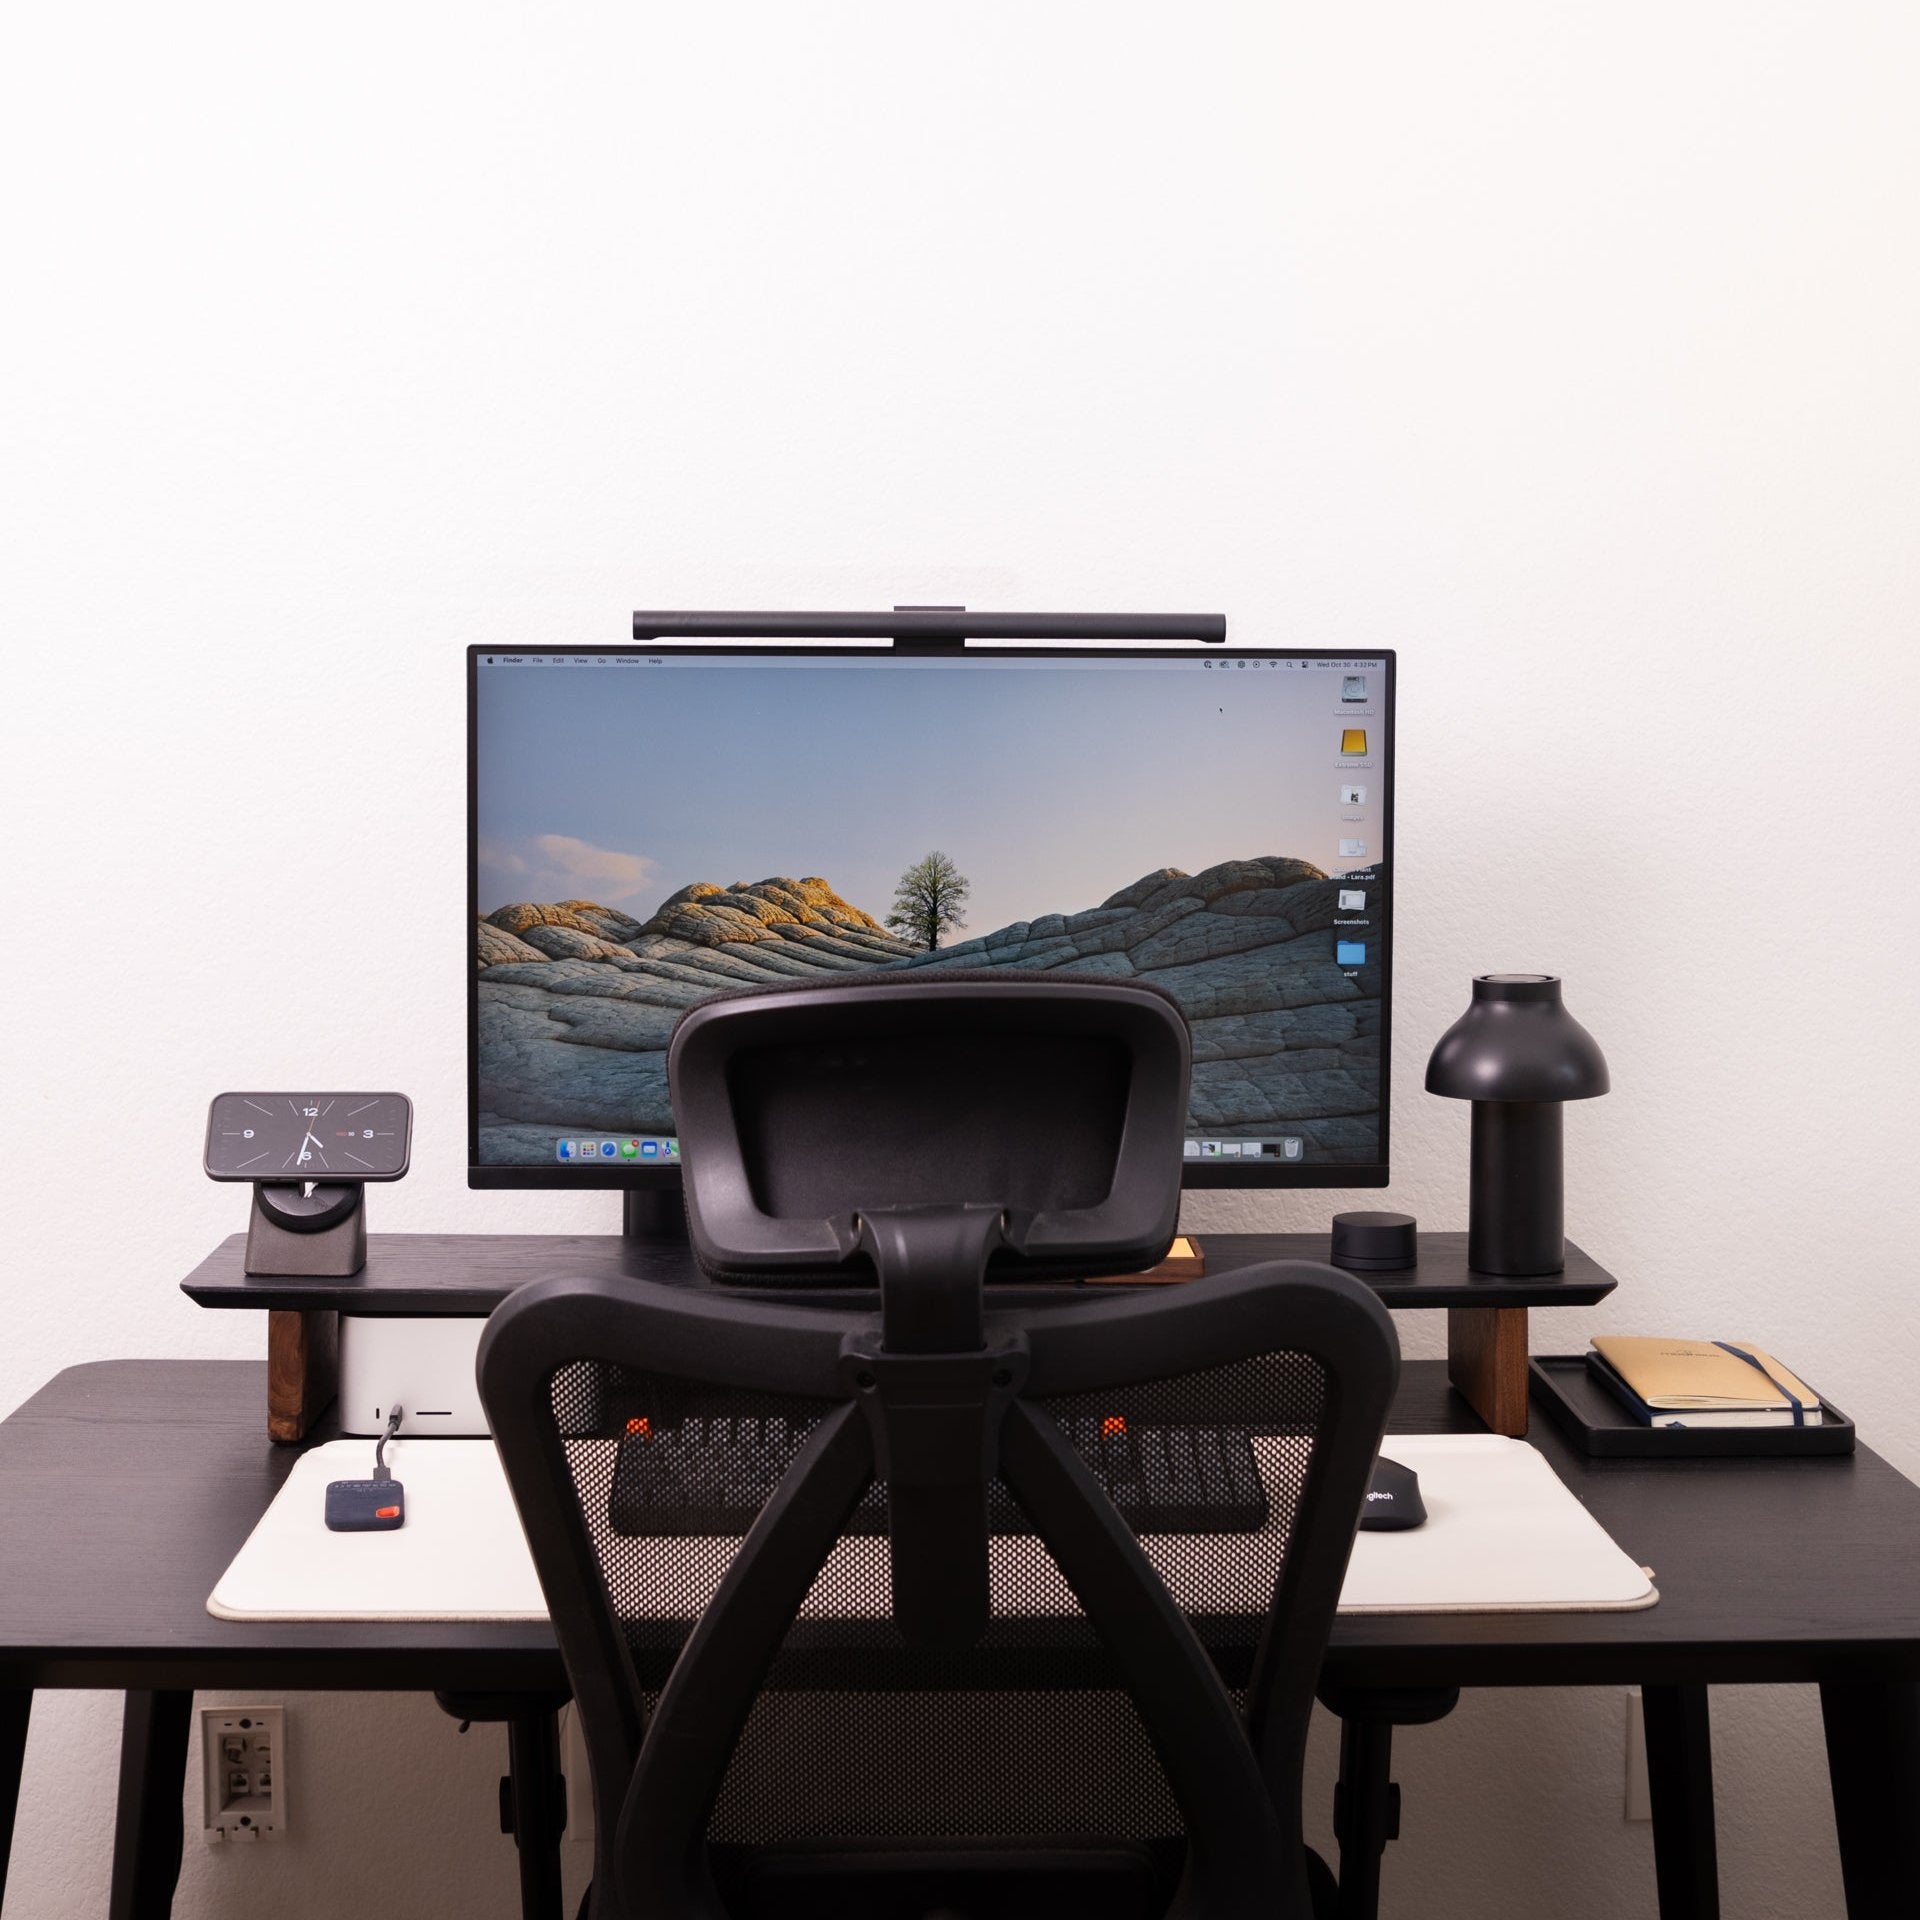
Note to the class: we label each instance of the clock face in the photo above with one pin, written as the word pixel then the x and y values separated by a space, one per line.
pixel 309 1136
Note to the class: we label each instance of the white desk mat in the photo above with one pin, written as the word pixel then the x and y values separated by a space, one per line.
pixel 1503 1535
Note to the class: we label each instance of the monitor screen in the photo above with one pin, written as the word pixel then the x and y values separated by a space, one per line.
pixel 649 826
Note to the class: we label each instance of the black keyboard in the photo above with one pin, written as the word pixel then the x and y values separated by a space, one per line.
pixel 712 1474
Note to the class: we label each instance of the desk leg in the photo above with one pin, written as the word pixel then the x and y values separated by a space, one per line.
pixel 1686 1860
pixel 1873 1763
pixel 147 1825
pixel 16 1703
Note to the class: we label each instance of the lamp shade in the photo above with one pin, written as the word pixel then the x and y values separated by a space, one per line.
pixel 1517 1042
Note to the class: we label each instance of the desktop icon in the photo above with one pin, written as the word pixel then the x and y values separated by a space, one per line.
pixel 1349 953
pixel 1353 796
pixel 1353 740
pixel 1351 900
pixel 1353 849
pixel 1353 686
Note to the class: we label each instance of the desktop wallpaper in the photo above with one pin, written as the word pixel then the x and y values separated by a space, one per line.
pixel 651 830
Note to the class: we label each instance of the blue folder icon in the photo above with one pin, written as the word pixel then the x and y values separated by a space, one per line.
pixel 1350 953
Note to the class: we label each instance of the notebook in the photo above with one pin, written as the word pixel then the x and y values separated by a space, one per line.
pixel 1701 1383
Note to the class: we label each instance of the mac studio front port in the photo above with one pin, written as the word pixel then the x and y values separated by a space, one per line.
pixel 424 1365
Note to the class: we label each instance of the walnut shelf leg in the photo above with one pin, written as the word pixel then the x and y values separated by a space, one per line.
pixel 1487 1361
pixel 303 1370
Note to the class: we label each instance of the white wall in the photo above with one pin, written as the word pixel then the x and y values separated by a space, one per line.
pixel 1568 350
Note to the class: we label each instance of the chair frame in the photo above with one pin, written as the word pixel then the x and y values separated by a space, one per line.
pixel 1237 1780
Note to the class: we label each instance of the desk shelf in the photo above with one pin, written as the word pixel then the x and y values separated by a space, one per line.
pixel 432 1273
pixel 424 1274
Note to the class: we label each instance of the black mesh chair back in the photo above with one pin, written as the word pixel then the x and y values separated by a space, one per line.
pixel 884 1642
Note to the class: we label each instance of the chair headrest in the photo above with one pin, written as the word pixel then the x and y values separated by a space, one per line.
pixel 1061 1101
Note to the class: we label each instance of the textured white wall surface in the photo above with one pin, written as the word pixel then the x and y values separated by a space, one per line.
pixel 1569 351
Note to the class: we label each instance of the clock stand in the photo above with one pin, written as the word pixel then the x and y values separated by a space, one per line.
pixel 304 1230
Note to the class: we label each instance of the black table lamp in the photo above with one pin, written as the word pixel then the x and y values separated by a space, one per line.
pixel 1517 1054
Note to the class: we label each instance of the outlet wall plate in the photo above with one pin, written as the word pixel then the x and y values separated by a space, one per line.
pixel 243 1773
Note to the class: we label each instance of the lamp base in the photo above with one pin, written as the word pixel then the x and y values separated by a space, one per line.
pixel 1516 1216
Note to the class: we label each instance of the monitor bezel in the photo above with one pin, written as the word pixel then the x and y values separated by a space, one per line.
pixel 489 1176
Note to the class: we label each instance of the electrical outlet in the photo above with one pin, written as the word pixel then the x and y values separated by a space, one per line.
pixel 1639 1804
pixel 243 1772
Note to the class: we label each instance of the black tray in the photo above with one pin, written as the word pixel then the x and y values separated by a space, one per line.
pixel 1598 1424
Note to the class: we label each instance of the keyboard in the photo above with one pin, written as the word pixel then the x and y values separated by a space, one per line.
pixel 712 1475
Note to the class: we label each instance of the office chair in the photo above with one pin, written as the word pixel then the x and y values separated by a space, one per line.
pixel 533 1790
pixel 938 1714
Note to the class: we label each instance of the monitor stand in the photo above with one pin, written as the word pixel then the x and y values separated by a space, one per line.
pixel 656 1215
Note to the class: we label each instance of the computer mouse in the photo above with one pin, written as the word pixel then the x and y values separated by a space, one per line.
pixel 1393 1501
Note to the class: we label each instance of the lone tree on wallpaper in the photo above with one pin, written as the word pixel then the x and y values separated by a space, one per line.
pixel 928 900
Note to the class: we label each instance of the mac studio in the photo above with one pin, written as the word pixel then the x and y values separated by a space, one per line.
pixel 1009 775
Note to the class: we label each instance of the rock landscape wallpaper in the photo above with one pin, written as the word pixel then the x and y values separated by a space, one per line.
pixel 577 1000
pixel 578 991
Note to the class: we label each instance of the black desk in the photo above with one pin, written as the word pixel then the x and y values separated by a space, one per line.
pixel 127 1486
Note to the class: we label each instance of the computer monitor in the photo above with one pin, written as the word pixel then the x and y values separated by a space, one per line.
pixel 651 824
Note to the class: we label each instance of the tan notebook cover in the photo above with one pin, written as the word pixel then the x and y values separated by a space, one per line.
pixel 1680 1374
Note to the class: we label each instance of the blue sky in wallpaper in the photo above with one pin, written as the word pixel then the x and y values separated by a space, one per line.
pixel 1050 784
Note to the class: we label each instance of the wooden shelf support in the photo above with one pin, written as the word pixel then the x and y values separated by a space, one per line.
pixel 303 1370
pixel 1487 1362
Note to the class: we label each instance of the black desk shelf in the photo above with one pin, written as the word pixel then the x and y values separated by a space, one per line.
pixel 424 1274
pixel 462 1273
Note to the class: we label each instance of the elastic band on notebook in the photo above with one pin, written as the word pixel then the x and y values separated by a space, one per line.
pixel 1740 1353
